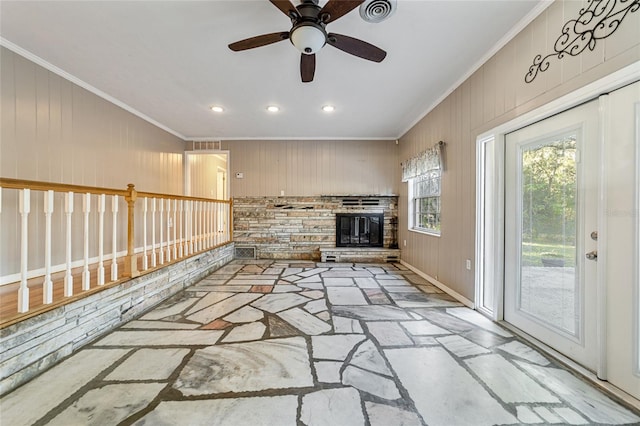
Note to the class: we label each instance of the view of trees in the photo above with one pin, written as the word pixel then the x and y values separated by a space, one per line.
pixel 549 201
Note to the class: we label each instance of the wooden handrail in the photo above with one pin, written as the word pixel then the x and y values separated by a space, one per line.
pixel 81 189
pixel 179 197
pixel 58 187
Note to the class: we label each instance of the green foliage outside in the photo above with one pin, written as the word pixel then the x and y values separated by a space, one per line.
pixel 532 254
pixel 548 202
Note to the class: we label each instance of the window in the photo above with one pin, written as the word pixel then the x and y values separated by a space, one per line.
pixel 425 202
pixel 423 175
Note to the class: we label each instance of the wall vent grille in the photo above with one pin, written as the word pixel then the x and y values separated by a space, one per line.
pixel 207 145
pixel 360 202
pixel 245 252
pixel 350 202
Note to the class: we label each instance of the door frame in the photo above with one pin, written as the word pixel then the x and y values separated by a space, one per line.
pixel 187 168
pixel 490 220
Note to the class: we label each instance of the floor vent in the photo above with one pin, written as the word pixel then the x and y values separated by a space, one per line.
pixel 330 258
pixel 393 259
pixel 245 252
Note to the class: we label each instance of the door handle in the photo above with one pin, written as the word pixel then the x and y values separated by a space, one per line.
pixel 592 255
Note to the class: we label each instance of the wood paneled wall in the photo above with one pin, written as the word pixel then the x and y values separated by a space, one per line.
pixel 324 167
pixel 55 131
pixel 495 94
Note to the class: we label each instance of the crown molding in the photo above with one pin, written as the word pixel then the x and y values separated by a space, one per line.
pixel 290 138
pixel 515 30
pixel 75 80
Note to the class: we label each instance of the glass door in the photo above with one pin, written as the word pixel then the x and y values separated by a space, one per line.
pixel 550 213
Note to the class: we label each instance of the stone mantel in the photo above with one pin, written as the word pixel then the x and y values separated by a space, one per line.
pixel 360 195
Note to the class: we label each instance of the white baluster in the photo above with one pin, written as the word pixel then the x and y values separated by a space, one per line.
pixel 218 221
pixel 189 227
pixel 216 238
pixel 47 285
pixel 200 225
pixel 216 234
pixel 168 255
pixel 68 278
pixel 207 234
pixel 86 209
pixel 196 226
pixel 180 249
pixel 213 223
pixel 196 221
pixel 145 263
pixel 192 225
pixel 114 242
pixel 25 208
pixel 102 207
pixel 161 210
pixel 175 233
pixel 203 225
pixel 210 222
pixel 225 222
pixel 192 212
pixel 153 233
pixel 212 207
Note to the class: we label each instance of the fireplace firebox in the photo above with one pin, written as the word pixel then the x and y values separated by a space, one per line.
pixel 359 230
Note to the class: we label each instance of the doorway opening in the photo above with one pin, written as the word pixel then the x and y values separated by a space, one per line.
pixel 206 174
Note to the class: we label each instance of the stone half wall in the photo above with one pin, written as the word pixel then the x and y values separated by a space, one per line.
pixel 35 344
pixel 297 227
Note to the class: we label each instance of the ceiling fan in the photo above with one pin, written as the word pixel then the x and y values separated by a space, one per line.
pixel 308 33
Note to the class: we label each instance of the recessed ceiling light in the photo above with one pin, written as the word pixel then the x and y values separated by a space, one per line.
pixel 217 108
pixel 328 108
pixel 273 108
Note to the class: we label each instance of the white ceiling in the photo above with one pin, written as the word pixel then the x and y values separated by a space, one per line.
pixel 169 62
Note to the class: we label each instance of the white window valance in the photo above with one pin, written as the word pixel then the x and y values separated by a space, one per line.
pixel 423 163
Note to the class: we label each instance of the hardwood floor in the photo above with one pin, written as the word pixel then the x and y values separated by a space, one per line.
pixel 9 292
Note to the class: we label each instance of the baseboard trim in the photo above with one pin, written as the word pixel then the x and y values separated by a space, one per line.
pixel 460 298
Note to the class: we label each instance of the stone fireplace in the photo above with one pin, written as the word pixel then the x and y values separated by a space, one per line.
pixel 305 228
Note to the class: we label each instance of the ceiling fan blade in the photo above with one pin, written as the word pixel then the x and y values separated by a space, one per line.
pixel 356 47
pixel 258 41
pixel 338 8
pixel 307 67
pixel 286 7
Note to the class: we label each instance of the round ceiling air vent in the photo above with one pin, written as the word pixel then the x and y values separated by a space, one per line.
pixel 376 11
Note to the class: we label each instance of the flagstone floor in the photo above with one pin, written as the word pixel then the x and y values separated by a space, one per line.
pixel 300 343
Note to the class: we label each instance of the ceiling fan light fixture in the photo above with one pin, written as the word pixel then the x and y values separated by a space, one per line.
pixel 308 38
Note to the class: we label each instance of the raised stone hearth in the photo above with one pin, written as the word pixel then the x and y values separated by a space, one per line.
pixel 359 254
pixel 304 228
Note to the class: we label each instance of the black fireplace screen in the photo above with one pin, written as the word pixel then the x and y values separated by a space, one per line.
pixel 359 230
